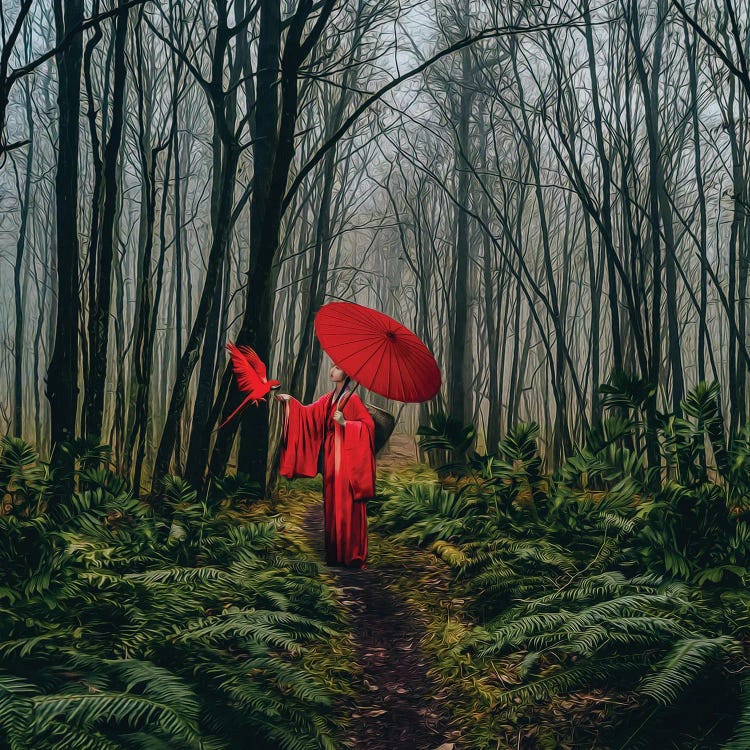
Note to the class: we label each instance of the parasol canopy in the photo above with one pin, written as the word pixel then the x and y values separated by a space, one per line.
pixel 378 352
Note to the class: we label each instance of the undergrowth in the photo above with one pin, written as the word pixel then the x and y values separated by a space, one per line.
pixel 607 603
pixel 182 623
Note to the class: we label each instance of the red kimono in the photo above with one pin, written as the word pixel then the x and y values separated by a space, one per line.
pixel 348 468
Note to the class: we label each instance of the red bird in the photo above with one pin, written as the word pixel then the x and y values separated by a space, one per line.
pixel 251 376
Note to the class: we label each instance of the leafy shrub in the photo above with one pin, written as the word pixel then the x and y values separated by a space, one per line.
pixel 611 583
pixel 124 626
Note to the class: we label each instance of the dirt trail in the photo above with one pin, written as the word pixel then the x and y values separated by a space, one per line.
pixel 400 450
pixel 397 705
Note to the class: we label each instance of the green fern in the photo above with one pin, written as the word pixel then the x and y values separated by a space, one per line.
pixel 117 632
pixel 740 739
pixel 684 663
pixel 606 578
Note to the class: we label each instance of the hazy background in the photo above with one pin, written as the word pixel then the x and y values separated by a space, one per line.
pixel 541 207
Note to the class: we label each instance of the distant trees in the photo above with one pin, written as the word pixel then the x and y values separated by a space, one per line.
pixel 227 147
pixel 545 195
pixel 631 254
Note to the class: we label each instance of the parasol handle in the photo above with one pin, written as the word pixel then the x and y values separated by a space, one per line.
pixel 347 397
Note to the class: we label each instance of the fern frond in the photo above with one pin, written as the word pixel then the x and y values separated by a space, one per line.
pixel 684 663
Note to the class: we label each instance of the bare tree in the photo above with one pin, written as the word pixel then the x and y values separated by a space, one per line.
pixel 62 374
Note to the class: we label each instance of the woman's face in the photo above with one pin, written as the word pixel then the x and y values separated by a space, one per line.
pixel 337 374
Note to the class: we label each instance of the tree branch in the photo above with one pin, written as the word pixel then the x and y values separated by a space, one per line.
pixel 88 23
pixel 370 100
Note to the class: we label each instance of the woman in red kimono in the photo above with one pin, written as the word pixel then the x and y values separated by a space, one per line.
pixel 338 425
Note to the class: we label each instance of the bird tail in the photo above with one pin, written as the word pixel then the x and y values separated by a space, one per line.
pixel 234 412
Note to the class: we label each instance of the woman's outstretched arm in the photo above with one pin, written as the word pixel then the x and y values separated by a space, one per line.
pixel 302 438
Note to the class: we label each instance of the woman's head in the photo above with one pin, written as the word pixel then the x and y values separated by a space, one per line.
pixel 337 374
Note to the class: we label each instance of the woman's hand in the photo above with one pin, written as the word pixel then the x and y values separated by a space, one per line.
pixel 282 397
pixel 338 416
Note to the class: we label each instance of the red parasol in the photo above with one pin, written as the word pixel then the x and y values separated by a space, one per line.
pixel 377 351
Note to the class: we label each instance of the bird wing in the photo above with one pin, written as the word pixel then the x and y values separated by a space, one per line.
pixel 248 379
pixel 255 361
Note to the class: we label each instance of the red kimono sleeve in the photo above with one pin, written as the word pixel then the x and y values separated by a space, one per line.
pixel 359 448
pixel 303 434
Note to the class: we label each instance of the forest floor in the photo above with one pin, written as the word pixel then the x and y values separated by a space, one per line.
pixel 396 703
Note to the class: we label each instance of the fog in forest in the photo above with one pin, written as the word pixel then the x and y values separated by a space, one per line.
pixel 552 549
pixel 556 194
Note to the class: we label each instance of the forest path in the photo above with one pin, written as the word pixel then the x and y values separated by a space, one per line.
pixel 397 704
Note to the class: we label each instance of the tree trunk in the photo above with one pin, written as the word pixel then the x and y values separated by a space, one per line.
pixel 606 205
pixel 62 373
pixel 230 152
pixel 198 447
pixel 691 50
pixel 197 456
pixel 273 153
pixel 99 307
pixel 19 297
pixel 656 243
pixel 459 406
pixel 492 305
pixel 92 113
pixel 140 379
